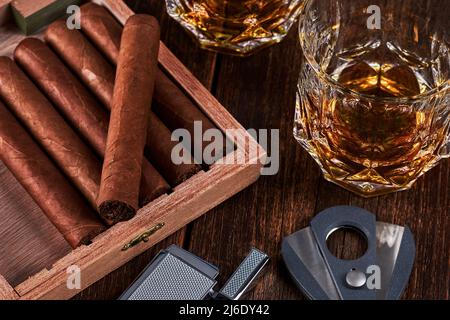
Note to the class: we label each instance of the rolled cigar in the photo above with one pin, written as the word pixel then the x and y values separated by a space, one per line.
pixel 159 144
pixel 176 110
pixel 133 93
pixel 66 92
pixel 58 199
pixel 78 105
pixel 159 134
pixel 82 58
pixel 173 107
pixel 47 126
pixel 102 29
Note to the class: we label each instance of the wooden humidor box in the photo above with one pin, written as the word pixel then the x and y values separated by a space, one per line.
pixel 34 258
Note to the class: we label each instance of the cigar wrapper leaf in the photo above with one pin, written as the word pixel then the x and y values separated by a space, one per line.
pixel 49 129
pixel 133 93
pixel 159 146
pixel 78 106
pixel 171 105
pixel 59 200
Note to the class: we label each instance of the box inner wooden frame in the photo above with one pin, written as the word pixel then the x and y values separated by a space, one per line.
pixel 34 257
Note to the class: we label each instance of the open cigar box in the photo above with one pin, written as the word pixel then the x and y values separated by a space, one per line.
pixel 34 257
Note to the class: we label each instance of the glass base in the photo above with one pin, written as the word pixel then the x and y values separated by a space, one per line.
pixel 235 27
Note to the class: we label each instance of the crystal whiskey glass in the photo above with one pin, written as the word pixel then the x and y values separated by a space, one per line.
pixel 373 99
pixel 236 26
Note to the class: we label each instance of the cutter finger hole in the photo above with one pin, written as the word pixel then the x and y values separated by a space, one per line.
pixel 347 243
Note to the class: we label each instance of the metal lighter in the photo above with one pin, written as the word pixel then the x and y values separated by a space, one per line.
pixel 176 274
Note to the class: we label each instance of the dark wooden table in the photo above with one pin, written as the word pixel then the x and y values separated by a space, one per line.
pixel 260 92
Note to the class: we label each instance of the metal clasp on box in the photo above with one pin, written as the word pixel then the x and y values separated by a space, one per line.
pixel 143 237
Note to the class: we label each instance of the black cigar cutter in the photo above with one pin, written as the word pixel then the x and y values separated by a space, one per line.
pixel 381 273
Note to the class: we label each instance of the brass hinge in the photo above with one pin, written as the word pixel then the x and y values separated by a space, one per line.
pixel 143 237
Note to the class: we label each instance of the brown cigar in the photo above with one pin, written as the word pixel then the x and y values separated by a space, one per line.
pixel 161 156
pixel 58 199
pixel 176 110
pixel 103 29
pixel 133 93
pixel 83 59
pixel 29 105
pixel 158 149
pixel 172 105
pixel 78 106
pixel 67 93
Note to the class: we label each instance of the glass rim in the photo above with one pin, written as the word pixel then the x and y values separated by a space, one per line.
pixel 323 76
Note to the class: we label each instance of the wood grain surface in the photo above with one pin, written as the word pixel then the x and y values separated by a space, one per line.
pixel 260 92
pixel 22 220
pixel 6 291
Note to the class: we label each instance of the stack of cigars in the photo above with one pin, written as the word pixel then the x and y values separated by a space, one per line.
pixel 86 120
